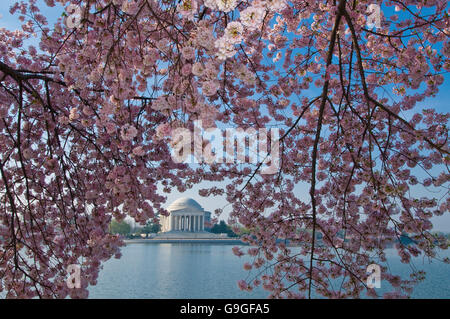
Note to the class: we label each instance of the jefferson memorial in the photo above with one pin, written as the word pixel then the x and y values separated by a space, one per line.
pixel 186 215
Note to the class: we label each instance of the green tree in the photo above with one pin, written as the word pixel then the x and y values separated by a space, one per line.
pixel 219 228
pixel 222 228
pixel 121 228
pixel 150 227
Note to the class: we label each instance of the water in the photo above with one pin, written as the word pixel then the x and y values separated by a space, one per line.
pixel 212 271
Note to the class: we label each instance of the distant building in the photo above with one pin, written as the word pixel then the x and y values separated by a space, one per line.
pixel 186 215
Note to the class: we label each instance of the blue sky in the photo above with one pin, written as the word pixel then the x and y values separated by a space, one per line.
pixel 440 103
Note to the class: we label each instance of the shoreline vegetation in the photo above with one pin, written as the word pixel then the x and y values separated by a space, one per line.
pixel 153 229
pixel 220 233
pixel 236 241
pixel 226 241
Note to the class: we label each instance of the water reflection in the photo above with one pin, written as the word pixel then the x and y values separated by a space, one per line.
pixel 173 271
pixel 212 271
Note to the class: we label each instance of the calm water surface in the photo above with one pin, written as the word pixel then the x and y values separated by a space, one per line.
pixel 212 271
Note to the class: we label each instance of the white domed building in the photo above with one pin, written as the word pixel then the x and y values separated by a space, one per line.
pixel 186 215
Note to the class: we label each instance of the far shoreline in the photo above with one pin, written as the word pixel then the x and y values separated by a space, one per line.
pixel 222 241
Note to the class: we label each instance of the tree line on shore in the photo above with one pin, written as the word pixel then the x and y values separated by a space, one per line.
pixel 128 231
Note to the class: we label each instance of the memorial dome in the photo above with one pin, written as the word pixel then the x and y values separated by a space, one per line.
pixel 184 203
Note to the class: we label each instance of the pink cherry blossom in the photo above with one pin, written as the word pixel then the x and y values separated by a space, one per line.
pixel 92 115
pixel 188 53
pixel 252 17
pixel 210 87
pixel 128 132
pixel 226 5
pixel 138 151
pixel 198 69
